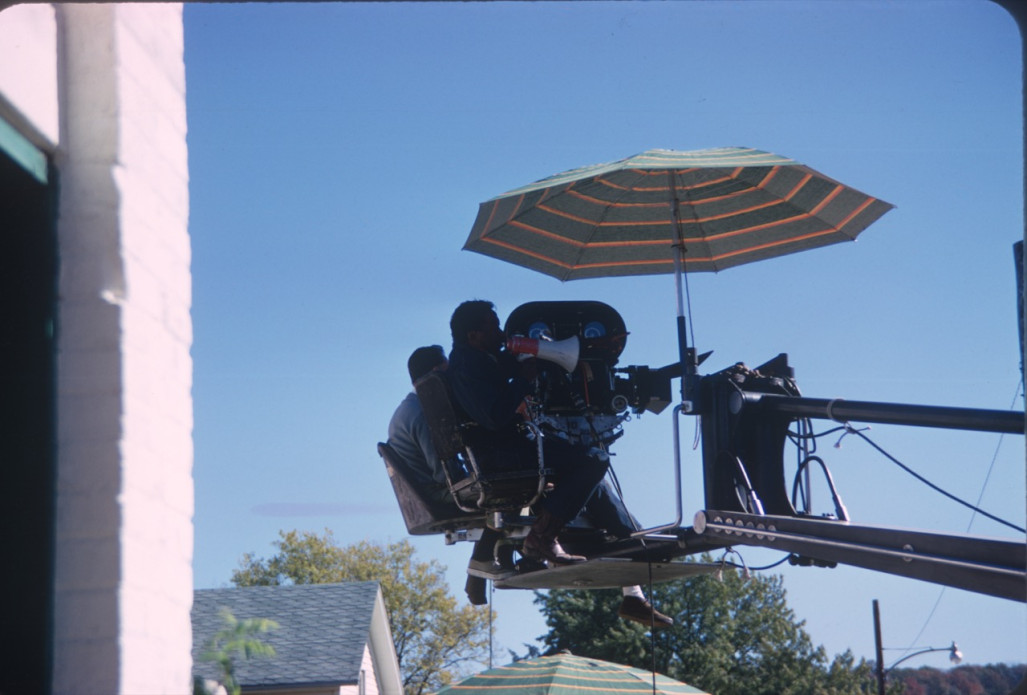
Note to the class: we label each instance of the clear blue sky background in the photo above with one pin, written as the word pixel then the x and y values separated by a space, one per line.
pixel 338 154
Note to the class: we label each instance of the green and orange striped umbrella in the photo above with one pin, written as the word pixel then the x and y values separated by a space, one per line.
pixel 722 207
pixel 564 674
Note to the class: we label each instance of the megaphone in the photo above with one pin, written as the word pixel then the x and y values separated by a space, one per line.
pixel 562 352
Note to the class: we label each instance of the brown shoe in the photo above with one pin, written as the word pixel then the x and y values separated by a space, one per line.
pixel 541 543
pixel 641 611
pixel 540 548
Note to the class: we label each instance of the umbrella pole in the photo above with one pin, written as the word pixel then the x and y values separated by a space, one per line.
pixel 687 361
pixel 685 355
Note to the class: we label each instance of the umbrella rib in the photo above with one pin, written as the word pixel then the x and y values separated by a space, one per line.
pixel 704 201
pixel 652 262
pixel 695 186
pixel 513 213
pixel 599 201
pixel 827 200
pixel 661 242
pixel 649 223
pixel 859 210
pixel 511 218
pixel 602 222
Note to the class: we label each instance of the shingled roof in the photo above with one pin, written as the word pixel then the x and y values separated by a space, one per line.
pixel 322 634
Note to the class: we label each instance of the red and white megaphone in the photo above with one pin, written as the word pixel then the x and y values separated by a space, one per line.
pixel 562 352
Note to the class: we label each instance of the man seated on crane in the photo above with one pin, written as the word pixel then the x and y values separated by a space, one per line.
pixel 490 385
pixel 410 438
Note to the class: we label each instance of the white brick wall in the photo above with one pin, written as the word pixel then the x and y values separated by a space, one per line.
pixel 28 68
pixel 124 524
pixel 114 108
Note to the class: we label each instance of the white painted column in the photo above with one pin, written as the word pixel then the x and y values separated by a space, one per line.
pixel 124 501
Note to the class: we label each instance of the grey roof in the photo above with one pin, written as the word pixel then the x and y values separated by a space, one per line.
pixel 322 631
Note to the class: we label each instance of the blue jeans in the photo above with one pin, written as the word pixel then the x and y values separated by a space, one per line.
pixel 606 510
pixel 576 473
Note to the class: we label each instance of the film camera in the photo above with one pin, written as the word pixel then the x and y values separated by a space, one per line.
pixel 582 396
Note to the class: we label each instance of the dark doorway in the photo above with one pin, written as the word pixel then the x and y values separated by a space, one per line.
pixel 28 277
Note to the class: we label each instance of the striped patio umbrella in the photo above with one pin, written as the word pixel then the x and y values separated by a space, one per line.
pixel 564 674
pixel 668 211
pixel 718 207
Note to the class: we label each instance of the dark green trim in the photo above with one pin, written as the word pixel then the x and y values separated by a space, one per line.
pixel 23 152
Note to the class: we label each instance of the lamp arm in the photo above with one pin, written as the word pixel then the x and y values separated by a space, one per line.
pixel 951 649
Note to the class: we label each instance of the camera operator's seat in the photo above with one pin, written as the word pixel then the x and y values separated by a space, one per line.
pixel 483 489
pixel 422 515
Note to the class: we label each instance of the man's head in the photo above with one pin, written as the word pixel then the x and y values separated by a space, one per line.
pixel 475 324
pixel 424 360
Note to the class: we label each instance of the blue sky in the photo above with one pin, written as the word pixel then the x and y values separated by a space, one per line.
pixel 338 154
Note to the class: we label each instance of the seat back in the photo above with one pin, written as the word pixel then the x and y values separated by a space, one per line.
pixel 421 515
pixel 443 421
pixel 482 489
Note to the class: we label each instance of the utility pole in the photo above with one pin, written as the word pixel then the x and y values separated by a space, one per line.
pixel 880 649
pixel 955 656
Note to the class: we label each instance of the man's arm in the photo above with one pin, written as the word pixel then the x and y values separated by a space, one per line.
pixel 422 435
pixel 483 392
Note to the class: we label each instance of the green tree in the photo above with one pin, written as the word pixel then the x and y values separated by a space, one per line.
pixel 236 638
pixel 990 679
pixel 434 638
pixel 731 637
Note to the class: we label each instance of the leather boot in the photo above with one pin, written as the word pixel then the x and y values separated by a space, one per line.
pixel 541 543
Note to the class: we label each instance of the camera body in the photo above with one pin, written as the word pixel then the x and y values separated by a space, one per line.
pixel 588 403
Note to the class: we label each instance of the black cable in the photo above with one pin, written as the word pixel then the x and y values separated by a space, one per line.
pixel 728 563
pixel 849 430
pixel 980 496
pixel 794 436
pixel 771 565
pixel 931 485
pixel 805 448
pixel 994 458
pixel 839 507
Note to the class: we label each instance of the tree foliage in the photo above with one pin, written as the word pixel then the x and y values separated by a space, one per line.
pixel 731 637
pixel 993 679
pixel 434 638
pixel 236 638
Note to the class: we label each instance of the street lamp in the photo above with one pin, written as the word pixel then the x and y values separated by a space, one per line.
pixel 955 656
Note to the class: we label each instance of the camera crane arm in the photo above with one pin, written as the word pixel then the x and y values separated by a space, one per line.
pixel 983 565
pixel 745 419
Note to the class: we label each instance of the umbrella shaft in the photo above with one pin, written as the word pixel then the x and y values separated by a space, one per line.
pixel 683 351
pixel 687 365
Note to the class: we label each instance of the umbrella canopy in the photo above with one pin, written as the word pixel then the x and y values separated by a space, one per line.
pixel 564 674
pixel 721 207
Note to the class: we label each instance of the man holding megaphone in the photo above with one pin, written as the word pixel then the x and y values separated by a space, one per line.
pixel 490 384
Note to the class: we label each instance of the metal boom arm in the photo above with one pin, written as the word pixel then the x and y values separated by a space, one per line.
pixel 839 410
pixel 983 565
pixel 746 416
